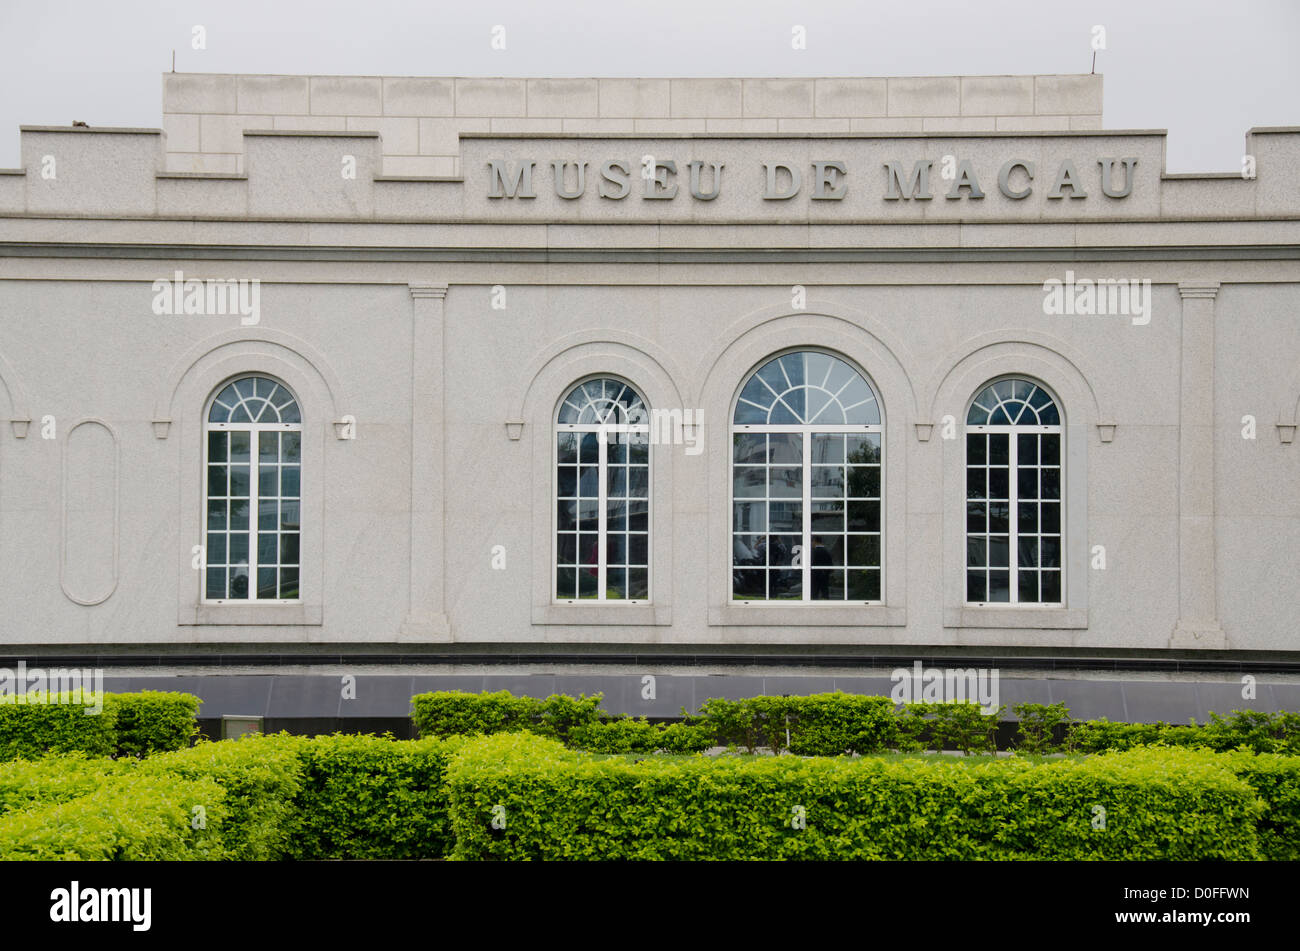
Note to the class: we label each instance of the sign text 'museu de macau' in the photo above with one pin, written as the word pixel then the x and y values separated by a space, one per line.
pixel 828 180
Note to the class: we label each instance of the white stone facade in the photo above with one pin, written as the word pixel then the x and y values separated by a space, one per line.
pixel 428 331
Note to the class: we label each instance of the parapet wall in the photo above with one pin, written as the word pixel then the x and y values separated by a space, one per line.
pixel 845 178
pixel 420 119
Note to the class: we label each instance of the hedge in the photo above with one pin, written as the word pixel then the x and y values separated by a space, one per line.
pixel 1244 729
pixel 641 736
pixel 130 724
pixel 26 784
pixel 260 775
pixel 30 730
pixel 554 803
pixel 369 797
pixel 153 721
pixel 134 817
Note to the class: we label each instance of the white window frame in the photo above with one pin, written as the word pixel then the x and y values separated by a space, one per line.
pixel 1013 489
pixel 602 431
pixel 253 429
pixel 806 430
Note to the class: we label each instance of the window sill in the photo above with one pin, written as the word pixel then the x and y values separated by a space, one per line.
pixel 603 614
pixel 268 615
pixel 1046 618
pixel 810 615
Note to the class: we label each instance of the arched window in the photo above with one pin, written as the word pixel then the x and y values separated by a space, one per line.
pixel 254 492
pixel 806 483
pixel 602 492
pixel 1013 495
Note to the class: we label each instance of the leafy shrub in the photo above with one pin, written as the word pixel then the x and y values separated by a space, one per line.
pixel 560 804
pixel 25 784
pixel 372 797
pixel 136 816
pixel 1276 778
pixel 59 724
pixel 965 727
pixel 452 713
pixel 912 727
pixel 152 721
pixel 560 715
pixel 641 736
pixel 259 776
pixel 130 724
pixel 1038 724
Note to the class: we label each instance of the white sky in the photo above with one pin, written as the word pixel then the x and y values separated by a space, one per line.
pixel 1206 71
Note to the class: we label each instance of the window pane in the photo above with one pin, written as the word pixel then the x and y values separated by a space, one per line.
pixel 216 586
pixel 566 583
pixel 749 517
pixel 638 583
pixel 638 549
pixel 268 447
pixel 217 480
pixel 827 482
pixel 999 586
pixel 239 446
pixel 785 483
pixel 976 586
pixel 239 481
pixel 616 583
pixel 289 583
pixel 216 447
pixel 827 448
pixel 863 585
pixel 292 447
pixel 749 448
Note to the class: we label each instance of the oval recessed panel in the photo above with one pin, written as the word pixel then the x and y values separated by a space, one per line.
pixel 90 491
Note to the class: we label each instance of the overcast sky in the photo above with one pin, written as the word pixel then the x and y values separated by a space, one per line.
pixel 1206 70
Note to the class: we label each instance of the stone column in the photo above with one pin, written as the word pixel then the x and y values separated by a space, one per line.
pixel 1198 577
pixel 426 617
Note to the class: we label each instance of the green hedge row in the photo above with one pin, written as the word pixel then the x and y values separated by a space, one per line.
pixel 817 725
pixel 258 798
pixel 367 797
pixel 130 724
pixel 525 797
pixel 1244 729
pixel 834 723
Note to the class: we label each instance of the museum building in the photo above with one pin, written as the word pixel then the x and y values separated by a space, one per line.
pixel 668 388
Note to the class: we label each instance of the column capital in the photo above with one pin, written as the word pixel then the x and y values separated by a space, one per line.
pixel 418 290
pixel 1201 289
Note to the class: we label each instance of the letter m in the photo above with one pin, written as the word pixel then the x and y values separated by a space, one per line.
pixel 918 185
pixel 666 427
pixel 507 185
pixel 121 904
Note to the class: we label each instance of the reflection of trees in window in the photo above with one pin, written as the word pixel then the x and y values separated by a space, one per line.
pixel 1013 495
pixel 806 483
pixel 253 468
pixel 602 466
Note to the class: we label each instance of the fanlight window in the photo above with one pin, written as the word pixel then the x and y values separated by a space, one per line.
pixel 1013 495
pixel 806 483
pixel 253 470
pixel 602 492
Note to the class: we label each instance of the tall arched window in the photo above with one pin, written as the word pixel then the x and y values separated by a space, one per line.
pixel 806 483
pixel 254 492
pixel 602 492
pixel 1013 495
